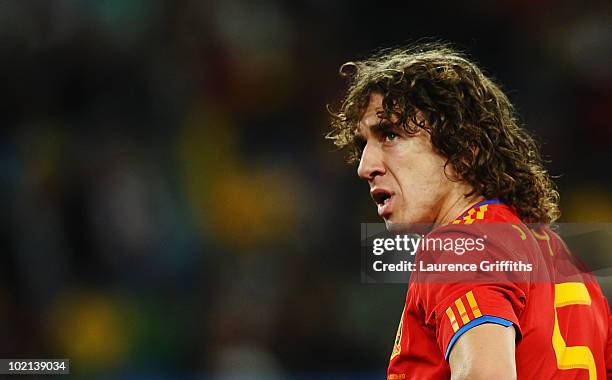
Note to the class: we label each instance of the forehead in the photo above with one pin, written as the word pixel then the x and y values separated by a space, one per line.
pixel 371 116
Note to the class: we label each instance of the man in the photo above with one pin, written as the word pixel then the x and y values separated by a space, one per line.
pixel 439 144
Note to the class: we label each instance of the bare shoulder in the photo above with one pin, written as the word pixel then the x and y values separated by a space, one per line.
pixel 484 352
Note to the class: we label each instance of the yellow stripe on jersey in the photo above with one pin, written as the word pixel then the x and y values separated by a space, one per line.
pixel 462 312
pixel 453 320
pixel 465 318
pixel 473 304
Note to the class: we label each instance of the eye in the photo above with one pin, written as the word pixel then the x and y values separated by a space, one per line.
pixel 390 136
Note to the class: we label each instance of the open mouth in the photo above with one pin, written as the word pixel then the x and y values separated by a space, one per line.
pixel 380 196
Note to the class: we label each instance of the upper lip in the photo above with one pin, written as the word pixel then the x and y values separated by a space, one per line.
pixel 379 195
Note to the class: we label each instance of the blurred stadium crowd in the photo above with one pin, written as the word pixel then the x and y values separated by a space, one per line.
pixel 171 208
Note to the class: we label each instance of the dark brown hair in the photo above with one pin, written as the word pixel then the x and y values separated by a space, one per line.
pixel 471 122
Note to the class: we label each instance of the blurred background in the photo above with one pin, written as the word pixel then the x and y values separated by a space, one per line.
pixel 171 208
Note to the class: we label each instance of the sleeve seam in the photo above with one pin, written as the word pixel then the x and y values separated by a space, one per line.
pixel 473 323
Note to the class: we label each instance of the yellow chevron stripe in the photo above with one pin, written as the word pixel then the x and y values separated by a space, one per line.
pixel 473 304
pixel 453 320
pixel 462 312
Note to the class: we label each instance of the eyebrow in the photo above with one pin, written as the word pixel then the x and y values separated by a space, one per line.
pixel 382 126
pixel 377 129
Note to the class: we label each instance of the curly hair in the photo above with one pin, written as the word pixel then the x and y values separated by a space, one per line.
pixel 470 120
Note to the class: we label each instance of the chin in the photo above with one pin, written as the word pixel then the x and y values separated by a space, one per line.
pixel 407 226
pixel 396 227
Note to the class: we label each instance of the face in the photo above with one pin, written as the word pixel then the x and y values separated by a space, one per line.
pixel 405 174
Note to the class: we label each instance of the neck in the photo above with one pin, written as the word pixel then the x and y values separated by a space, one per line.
pixel 456 204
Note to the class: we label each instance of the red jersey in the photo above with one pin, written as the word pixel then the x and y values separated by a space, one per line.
pixel 562 322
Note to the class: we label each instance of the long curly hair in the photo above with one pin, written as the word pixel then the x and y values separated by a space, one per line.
pixel 471 122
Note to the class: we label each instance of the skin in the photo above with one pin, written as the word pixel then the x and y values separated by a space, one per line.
pixel 409 168
pixel 484 352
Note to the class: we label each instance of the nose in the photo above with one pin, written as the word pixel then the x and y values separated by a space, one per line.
pixel 371 163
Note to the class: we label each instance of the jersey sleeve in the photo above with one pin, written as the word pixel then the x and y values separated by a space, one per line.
pixel 466 307
pixel 455 306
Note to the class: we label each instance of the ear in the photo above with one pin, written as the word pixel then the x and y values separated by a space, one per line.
pixel 450 173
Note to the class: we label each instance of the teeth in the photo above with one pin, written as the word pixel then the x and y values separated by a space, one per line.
pixel 381 198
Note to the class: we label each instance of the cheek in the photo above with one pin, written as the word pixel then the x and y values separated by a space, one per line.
pixel 418 170
pixel 423 181
pixel 433 168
